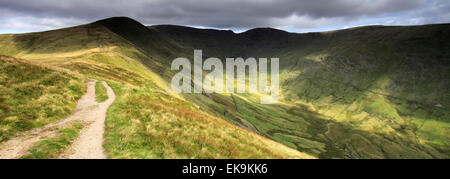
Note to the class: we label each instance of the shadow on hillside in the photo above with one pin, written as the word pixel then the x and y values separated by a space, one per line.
pixel 323 137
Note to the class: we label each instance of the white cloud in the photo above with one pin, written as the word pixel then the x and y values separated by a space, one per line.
pixel 29 23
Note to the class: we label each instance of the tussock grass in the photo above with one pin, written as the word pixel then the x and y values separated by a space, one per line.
pixel 52 147
pixel 143 124
pixel 34 95
pixel 100 92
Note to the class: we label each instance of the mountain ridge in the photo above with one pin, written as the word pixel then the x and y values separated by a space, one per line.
pixel 334 84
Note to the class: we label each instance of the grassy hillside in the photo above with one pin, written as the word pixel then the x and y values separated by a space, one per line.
pixel 33 95
pixel 369 92
pixel 152 124
pixel 144 121
pixel 371 85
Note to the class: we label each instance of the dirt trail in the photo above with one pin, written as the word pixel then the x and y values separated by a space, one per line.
pixel 87 110
pixel 89 144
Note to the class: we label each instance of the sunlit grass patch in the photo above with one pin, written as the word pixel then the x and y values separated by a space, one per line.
pixel 144 124
pixel 34 95
pixel 52 147
pixel 100 92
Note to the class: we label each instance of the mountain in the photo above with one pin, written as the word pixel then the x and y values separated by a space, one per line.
pixel 366 92
pixel 43 74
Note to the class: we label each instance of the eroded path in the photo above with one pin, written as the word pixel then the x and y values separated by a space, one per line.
pixel 88 144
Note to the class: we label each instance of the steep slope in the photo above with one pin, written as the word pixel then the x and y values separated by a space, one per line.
pixel 144 121
pixel 381 91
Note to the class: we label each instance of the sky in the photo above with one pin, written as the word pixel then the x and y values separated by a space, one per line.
pixel 19 16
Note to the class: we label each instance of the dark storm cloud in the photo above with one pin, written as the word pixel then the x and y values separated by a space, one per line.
pixel 210 13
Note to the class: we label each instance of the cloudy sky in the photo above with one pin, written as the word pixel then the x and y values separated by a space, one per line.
pixel 238 15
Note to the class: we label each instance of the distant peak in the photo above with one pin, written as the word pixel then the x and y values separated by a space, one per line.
pixel 264 33
pixel 178 28
pixel 265 30
pixel 118 21
pixel 127 28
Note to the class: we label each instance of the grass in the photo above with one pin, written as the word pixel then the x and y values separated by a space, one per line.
pixel 100 92
pixel 50 148
pixel 143 124
pixel 34 95
pixel 359 79
pixel 372 91
pixel 211 136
